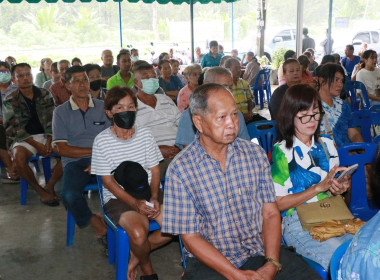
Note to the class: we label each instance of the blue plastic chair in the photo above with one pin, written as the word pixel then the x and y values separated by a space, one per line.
pixel 70 219
pixel 265 132
pixel 314 265
pixel 351 87
pixel 46 165
pixel 262 82
pixel 118 240
pixel 366 120
pixel 359 206
pixel 336 258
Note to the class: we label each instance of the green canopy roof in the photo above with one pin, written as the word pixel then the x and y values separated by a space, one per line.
pixel 176 2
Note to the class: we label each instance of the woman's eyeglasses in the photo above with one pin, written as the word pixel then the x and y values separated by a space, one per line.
pixel 307 118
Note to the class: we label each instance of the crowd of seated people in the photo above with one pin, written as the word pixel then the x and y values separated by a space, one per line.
pixel 160 124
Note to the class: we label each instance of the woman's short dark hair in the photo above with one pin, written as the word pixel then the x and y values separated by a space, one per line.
pixel 327 72
pixel 161 56
pixel 303 60
pixel 288 54
pixel 115 94
pixel 289 61
pixel 5 64
pixel 91 66
pixel 328 58
pixel 368 53
pixel 296 99
pixel 162 62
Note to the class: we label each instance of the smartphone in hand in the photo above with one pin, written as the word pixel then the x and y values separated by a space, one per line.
pixel 348 172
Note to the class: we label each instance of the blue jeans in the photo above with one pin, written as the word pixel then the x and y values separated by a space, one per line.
pixel 301 240
pixel 75 180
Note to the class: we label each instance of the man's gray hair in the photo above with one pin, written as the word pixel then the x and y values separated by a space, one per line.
pixel 231 61
pixel 213 72
pixel 198 99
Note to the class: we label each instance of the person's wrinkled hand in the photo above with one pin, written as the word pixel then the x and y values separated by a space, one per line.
pixel 326 183
pixel 339 188
pixel 249 275
pixel 157 212
pixel 141 207
pixel 88 169
pixel 41 149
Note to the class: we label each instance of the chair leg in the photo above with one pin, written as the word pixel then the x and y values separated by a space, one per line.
pixel 122 254
pixel 261 95
pixel 111 245
pixel 46 165
pixel 183 254
pixel 256 96
pixel 23 191
pixel 70 229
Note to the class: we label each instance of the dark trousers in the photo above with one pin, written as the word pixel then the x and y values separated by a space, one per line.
pixel 293 267
pixel 75 180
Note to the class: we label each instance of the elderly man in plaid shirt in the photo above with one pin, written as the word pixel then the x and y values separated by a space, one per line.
pixel 219 196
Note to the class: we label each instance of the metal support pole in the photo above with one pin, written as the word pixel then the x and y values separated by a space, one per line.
pixel 192 29
pixel 121 33
pixel 329 45
pixel 232 25
pixel 299 27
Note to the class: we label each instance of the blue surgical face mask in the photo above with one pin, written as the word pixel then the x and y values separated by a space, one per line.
pixel 5 77
pixel 135 58
pixel 150 86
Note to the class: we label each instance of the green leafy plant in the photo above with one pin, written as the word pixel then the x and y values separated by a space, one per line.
pixel 278 57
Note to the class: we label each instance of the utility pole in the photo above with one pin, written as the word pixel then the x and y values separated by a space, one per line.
pixel 261 21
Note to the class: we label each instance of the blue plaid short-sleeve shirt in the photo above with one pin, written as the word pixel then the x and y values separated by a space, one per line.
pixel 224 207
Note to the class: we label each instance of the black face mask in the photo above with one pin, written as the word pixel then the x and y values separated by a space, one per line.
pixel 125 119
pixel 95 85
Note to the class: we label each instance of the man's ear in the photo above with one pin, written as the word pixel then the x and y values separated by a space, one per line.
pixel 68 86
pixel 197 120
pixel 118 63
pixel 13 79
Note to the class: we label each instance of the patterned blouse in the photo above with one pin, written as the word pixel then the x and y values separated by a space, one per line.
pixel 340 120
pixel 362 258
pixel 297 169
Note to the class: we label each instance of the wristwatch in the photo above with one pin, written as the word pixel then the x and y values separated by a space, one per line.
pixel 274 262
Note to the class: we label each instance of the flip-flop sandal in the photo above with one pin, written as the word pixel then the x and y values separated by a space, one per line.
pixel 149 277
pixel 51 203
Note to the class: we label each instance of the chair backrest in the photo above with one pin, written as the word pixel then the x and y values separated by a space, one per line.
pixel 367 120
pixel 351 87
pixel 362 154
pixel 336 258
pixel 363 120
pixel 262 79
pixel 265 132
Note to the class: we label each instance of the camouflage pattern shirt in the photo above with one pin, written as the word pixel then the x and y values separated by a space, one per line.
pixel 16 114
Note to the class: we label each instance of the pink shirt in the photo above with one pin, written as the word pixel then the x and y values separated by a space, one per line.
pixel 183 98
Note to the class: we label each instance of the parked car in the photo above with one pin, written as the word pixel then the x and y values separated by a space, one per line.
pixel 370 37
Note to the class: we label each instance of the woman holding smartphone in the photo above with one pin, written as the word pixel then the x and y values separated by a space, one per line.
pixel 304 166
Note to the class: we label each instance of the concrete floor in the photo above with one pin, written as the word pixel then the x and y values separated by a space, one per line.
pixel 33 242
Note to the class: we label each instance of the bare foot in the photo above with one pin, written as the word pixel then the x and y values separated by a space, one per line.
pixel 50 189
pixel 132 267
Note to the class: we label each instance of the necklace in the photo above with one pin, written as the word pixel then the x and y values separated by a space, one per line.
pixel 124 136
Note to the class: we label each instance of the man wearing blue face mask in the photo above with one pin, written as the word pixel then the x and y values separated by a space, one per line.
pixel 6 85
pixel 157 112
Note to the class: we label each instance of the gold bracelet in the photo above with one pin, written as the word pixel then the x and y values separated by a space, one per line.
pixel 275 263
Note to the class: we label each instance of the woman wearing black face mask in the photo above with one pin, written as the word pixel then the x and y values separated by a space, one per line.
pixel 94 75
pixel 125 141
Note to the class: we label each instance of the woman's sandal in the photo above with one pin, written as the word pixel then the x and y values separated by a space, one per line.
pixel 149 277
